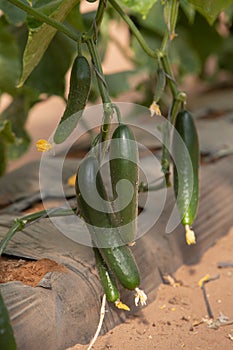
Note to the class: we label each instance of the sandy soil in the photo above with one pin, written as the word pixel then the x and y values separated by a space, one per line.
pixel 178 318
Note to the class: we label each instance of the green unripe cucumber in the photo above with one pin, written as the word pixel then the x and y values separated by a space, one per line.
pixel 7 340
pixel 102 228
pixel 123 156
pixel 80 82
pixel 186 180
pixel 106 277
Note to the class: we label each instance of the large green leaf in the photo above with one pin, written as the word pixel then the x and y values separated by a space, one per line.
pixel 6 132
pixel 13 14
pixel 6 136
pixel 210 9
pixel 118 82
pixel 139 6
pixel 49 75
pixel 9 59
pixel 188 9
pixel 204 45
pixel 45 7
pixel 39 40
pixel 2 156
pixel 16 114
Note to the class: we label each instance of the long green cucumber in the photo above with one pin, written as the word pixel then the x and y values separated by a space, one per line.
pixel 80 82
pixel 186 180
pixel 123 156
pixel 7 340
pixel 103 230
pixel 106 277
pixel 108 282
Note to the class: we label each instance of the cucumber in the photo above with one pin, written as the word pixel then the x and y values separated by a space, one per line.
pixel 106 277
pixel 186 182
pixel 101 225
pixel 123 156
pixel 7 340
pixel 80 82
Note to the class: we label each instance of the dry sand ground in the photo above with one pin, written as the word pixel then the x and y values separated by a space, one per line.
pixel 177 319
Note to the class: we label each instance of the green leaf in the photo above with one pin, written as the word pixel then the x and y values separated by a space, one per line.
pixel 9 60
pixel 75 19
pixel 46 7
pixel 6 136
pixel 16 114
pixel 49 75
pixel 210 9
pixel 118 82
pixel 6 132
pixel 188 10
pixel 140 6
pixel 13 14
pixel 39 40
pixel 185 56
pixel 204 45
pixel 226 55
pixel 2 156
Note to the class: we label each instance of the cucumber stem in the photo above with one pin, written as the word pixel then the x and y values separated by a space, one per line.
pixel 134 29
pixel 107 104
pixel 190 235
pixel 20 223
pixel 45 19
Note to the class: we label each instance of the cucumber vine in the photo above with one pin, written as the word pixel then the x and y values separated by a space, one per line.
pixel 115 257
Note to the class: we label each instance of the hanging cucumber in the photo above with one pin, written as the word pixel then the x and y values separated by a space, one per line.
pixel 186 182
pixel 80 82
pixel 7 340
pixel 108 281
pixel 102 228
pixel 123 156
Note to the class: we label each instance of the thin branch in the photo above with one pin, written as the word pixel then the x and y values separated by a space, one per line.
pixel 134 29
pixel 45 19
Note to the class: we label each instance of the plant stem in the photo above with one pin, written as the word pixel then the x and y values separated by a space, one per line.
pixel 99 18
pixel 167 68
pixel 134 29
pixel 20 223
pixel 107 104
pixel 45 19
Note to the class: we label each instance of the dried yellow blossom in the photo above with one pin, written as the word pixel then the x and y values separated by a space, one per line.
pixel 71 180
pixel 43 146
pixel 121 306
pixel 190 235
pixel 173 36
pixel 154 109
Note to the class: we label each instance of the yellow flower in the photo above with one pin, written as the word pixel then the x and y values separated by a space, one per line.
pixel 154 109
pixel 43 146
pixel 190 235
pixel 121 306
pixel 71 180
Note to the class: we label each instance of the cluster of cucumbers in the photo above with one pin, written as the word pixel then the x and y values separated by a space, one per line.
pixel 111 229
pixel 107 224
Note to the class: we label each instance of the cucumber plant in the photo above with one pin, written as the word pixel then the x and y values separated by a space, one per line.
pixel 114 258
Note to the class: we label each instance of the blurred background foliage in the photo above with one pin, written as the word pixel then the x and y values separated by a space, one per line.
pixel 204 39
